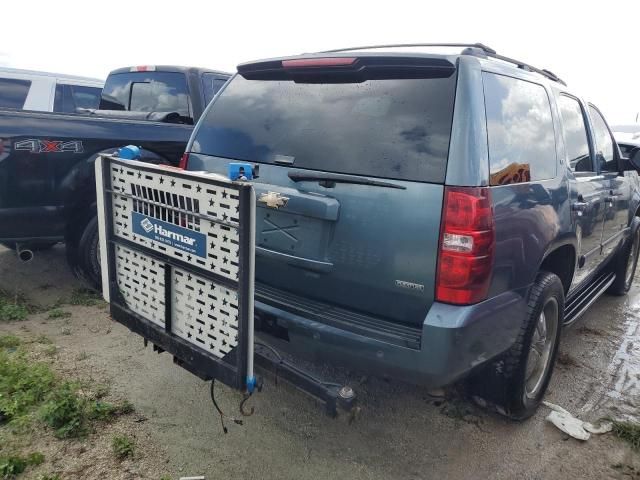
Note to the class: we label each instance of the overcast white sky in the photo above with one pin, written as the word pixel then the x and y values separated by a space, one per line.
pixel 591 45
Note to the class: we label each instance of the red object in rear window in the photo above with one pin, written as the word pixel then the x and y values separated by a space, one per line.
pixel 318 62
pixel 467 243
pixel 184 161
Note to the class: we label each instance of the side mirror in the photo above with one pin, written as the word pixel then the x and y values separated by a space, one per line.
pixel 634 158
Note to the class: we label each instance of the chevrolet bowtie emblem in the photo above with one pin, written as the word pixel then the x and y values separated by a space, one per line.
pixel 273 200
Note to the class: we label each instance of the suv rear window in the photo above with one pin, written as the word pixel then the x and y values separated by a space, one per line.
pixel 390 128
pixel 13 92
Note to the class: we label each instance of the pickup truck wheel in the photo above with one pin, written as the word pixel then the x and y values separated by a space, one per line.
pixel 626 262
pixel 88 255
pixel 515 383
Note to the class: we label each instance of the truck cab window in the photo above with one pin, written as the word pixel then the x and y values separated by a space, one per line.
pixel 147 92
pixel 211 84
pixel 575 134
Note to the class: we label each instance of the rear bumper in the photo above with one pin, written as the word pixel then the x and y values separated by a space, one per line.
pixel 454 340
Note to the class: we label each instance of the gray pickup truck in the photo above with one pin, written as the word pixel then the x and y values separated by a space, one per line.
pixel 426 216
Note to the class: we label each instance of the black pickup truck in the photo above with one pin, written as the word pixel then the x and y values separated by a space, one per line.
pixel 47 188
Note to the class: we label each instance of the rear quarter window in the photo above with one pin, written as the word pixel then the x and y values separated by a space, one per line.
pixel 389 128
pixel 520 130
pixel 13 92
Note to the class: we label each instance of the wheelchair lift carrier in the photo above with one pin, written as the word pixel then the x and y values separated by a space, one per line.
pixel 177 253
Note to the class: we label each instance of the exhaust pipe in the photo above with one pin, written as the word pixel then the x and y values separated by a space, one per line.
pixel 24 254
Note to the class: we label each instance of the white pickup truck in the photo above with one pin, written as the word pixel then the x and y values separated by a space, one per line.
pixel 47 92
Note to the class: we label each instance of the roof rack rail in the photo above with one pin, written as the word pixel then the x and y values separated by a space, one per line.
pixel 525 66
pixel 476 49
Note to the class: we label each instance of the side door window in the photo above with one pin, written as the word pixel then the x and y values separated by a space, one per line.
pixel 85 97
pixel 619 191
pixel 575 135
pixel 13 92
pixel 604 142
pixel 587 189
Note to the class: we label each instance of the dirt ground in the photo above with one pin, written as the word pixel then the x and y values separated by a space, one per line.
pixel 402 432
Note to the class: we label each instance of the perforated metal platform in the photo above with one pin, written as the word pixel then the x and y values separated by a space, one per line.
pixel 179 250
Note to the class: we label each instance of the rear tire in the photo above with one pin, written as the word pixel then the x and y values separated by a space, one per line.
pixel 626 262
pixel 83 254
pixel 515 383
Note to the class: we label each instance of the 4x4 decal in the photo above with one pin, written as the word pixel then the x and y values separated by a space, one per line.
pixel 49 146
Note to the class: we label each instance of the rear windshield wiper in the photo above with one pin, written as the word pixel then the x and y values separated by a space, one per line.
pixel 329 180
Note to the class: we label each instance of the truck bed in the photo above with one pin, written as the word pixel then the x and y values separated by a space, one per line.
pixel 46 164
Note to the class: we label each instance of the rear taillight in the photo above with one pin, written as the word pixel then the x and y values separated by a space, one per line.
pixel 184 161
pixel 467 240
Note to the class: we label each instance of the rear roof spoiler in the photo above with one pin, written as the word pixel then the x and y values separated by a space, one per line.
pixel 475 49
pixel 305 68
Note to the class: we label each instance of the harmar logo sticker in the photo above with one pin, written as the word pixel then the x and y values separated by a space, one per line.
pixel 173 235
pixel 49 146
pixel 146 225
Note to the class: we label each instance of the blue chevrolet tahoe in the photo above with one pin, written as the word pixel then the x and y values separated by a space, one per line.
pixel 431 217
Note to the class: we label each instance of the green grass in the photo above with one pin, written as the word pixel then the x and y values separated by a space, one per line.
pixel 100 391
pixel 12 307
pixel 65 411
pixel 123 446
pixel 24 385
pixel 58 313
pixel 629 432
pixel 10 312
pixel 29 391
pixel 13 465
pixel 50 350
pixel 85 297
pixel 106 411
pixel 9 341
pixel 43 340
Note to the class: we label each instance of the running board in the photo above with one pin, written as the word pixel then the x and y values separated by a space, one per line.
pixel 580 301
